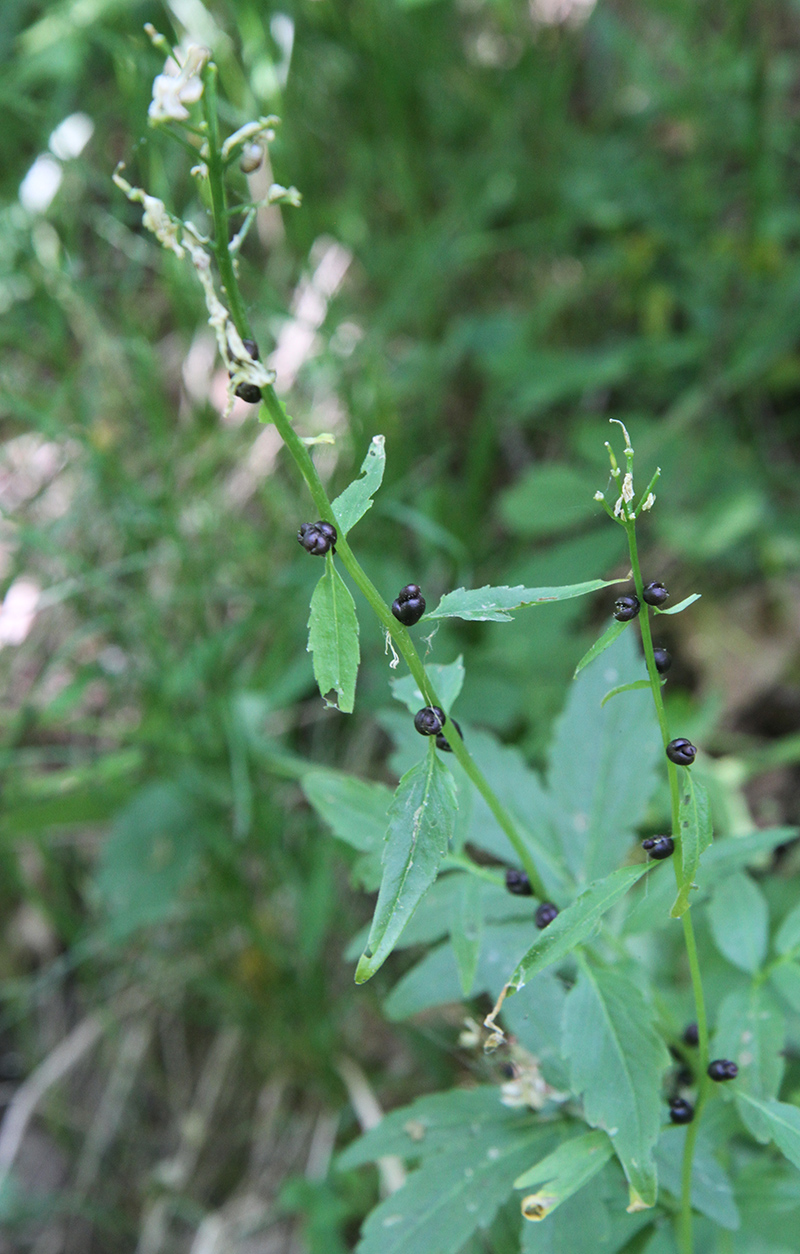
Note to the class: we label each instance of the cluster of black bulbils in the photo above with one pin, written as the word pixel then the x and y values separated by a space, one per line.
pixel 517 882
pixel 626 608
pixel 430 720
pixel 409 606
pixel 720 1070
pixel 250 392
pixel 317 538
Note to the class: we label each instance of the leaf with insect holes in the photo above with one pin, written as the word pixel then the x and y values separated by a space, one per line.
pixel 614 629
pixel 694 818
pixel 495 604
pixel 421 820
pixel 357 496
pixel 617 1061
pixel 333 638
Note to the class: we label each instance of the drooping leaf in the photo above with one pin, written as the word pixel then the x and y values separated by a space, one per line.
pixel 333 638
pixel 751 1031
pixel 465 930
pixel 489 604
pixel 454 1194
pixel 603 764
pixel 739 919
pixel 576 923
pixel 421 819
pixel 357 496
pixel 712 1193
pixel 783 1122
pixel 694 817
pixel 447 680
pixel 682 605
pixel 616 1061
pixel 562 1173
pixel 614 629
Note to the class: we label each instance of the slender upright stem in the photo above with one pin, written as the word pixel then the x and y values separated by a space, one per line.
pixel 685 1217
pixel 305 465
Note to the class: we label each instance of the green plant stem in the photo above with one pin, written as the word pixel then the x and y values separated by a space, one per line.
pixel 305 465
pixel 685 1217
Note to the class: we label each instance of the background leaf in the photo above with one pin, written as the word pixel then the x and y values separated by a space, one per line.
pixel 356 499
pixel 782 1121
pixel 562 1173
pixel 333 638
pixel 739 920
pixel 421 819
pixel 549 498
pixel 712 1192
pixel 447 679
pixel 611 633
pixel 616 1061
pixel 602 764
pixel 751 1030
pixel 465 930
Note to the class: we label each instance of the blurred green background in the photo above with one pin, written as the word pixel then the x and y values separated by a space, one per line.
pixel 519 221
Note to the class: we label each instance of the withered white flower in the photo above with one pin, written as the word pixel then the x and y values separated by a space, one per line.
pixel 177 86
pixel 155 217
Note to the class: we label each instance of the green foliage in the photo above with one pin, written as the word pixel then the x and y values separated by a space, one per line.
pixel 739 920
pixel 696 836
pixel 357 497
pixel 616 1060
pixel 751 1030
pixel 333 639
pixel 563 1173
pixel 421 818
pixel 614 629
pixel 494 604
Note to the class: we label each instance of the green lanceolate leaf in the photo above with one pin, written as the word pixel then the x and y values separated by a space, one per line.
pixel 447 680
pixel 682 605
pixel 333 639
pixel 421 819
pixel 562 1173
pixel 616 1061
pixel 783 1122
pixel 751 1031
pixel 739 920
pixel 694 817
pixel 454 1194
pixel 495 604
pixel 634 686
pixel 576 923
pixel 614 629
pixel 465 930
pixel 357 496
pixel 712 1193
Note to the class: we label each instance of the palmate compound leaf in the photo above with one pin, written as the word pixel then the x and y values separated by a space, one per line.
pixel 421 820
pixel 333 638
pixel 617 1060
pixel 489 604
pixel 694 817
pixel 357 496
